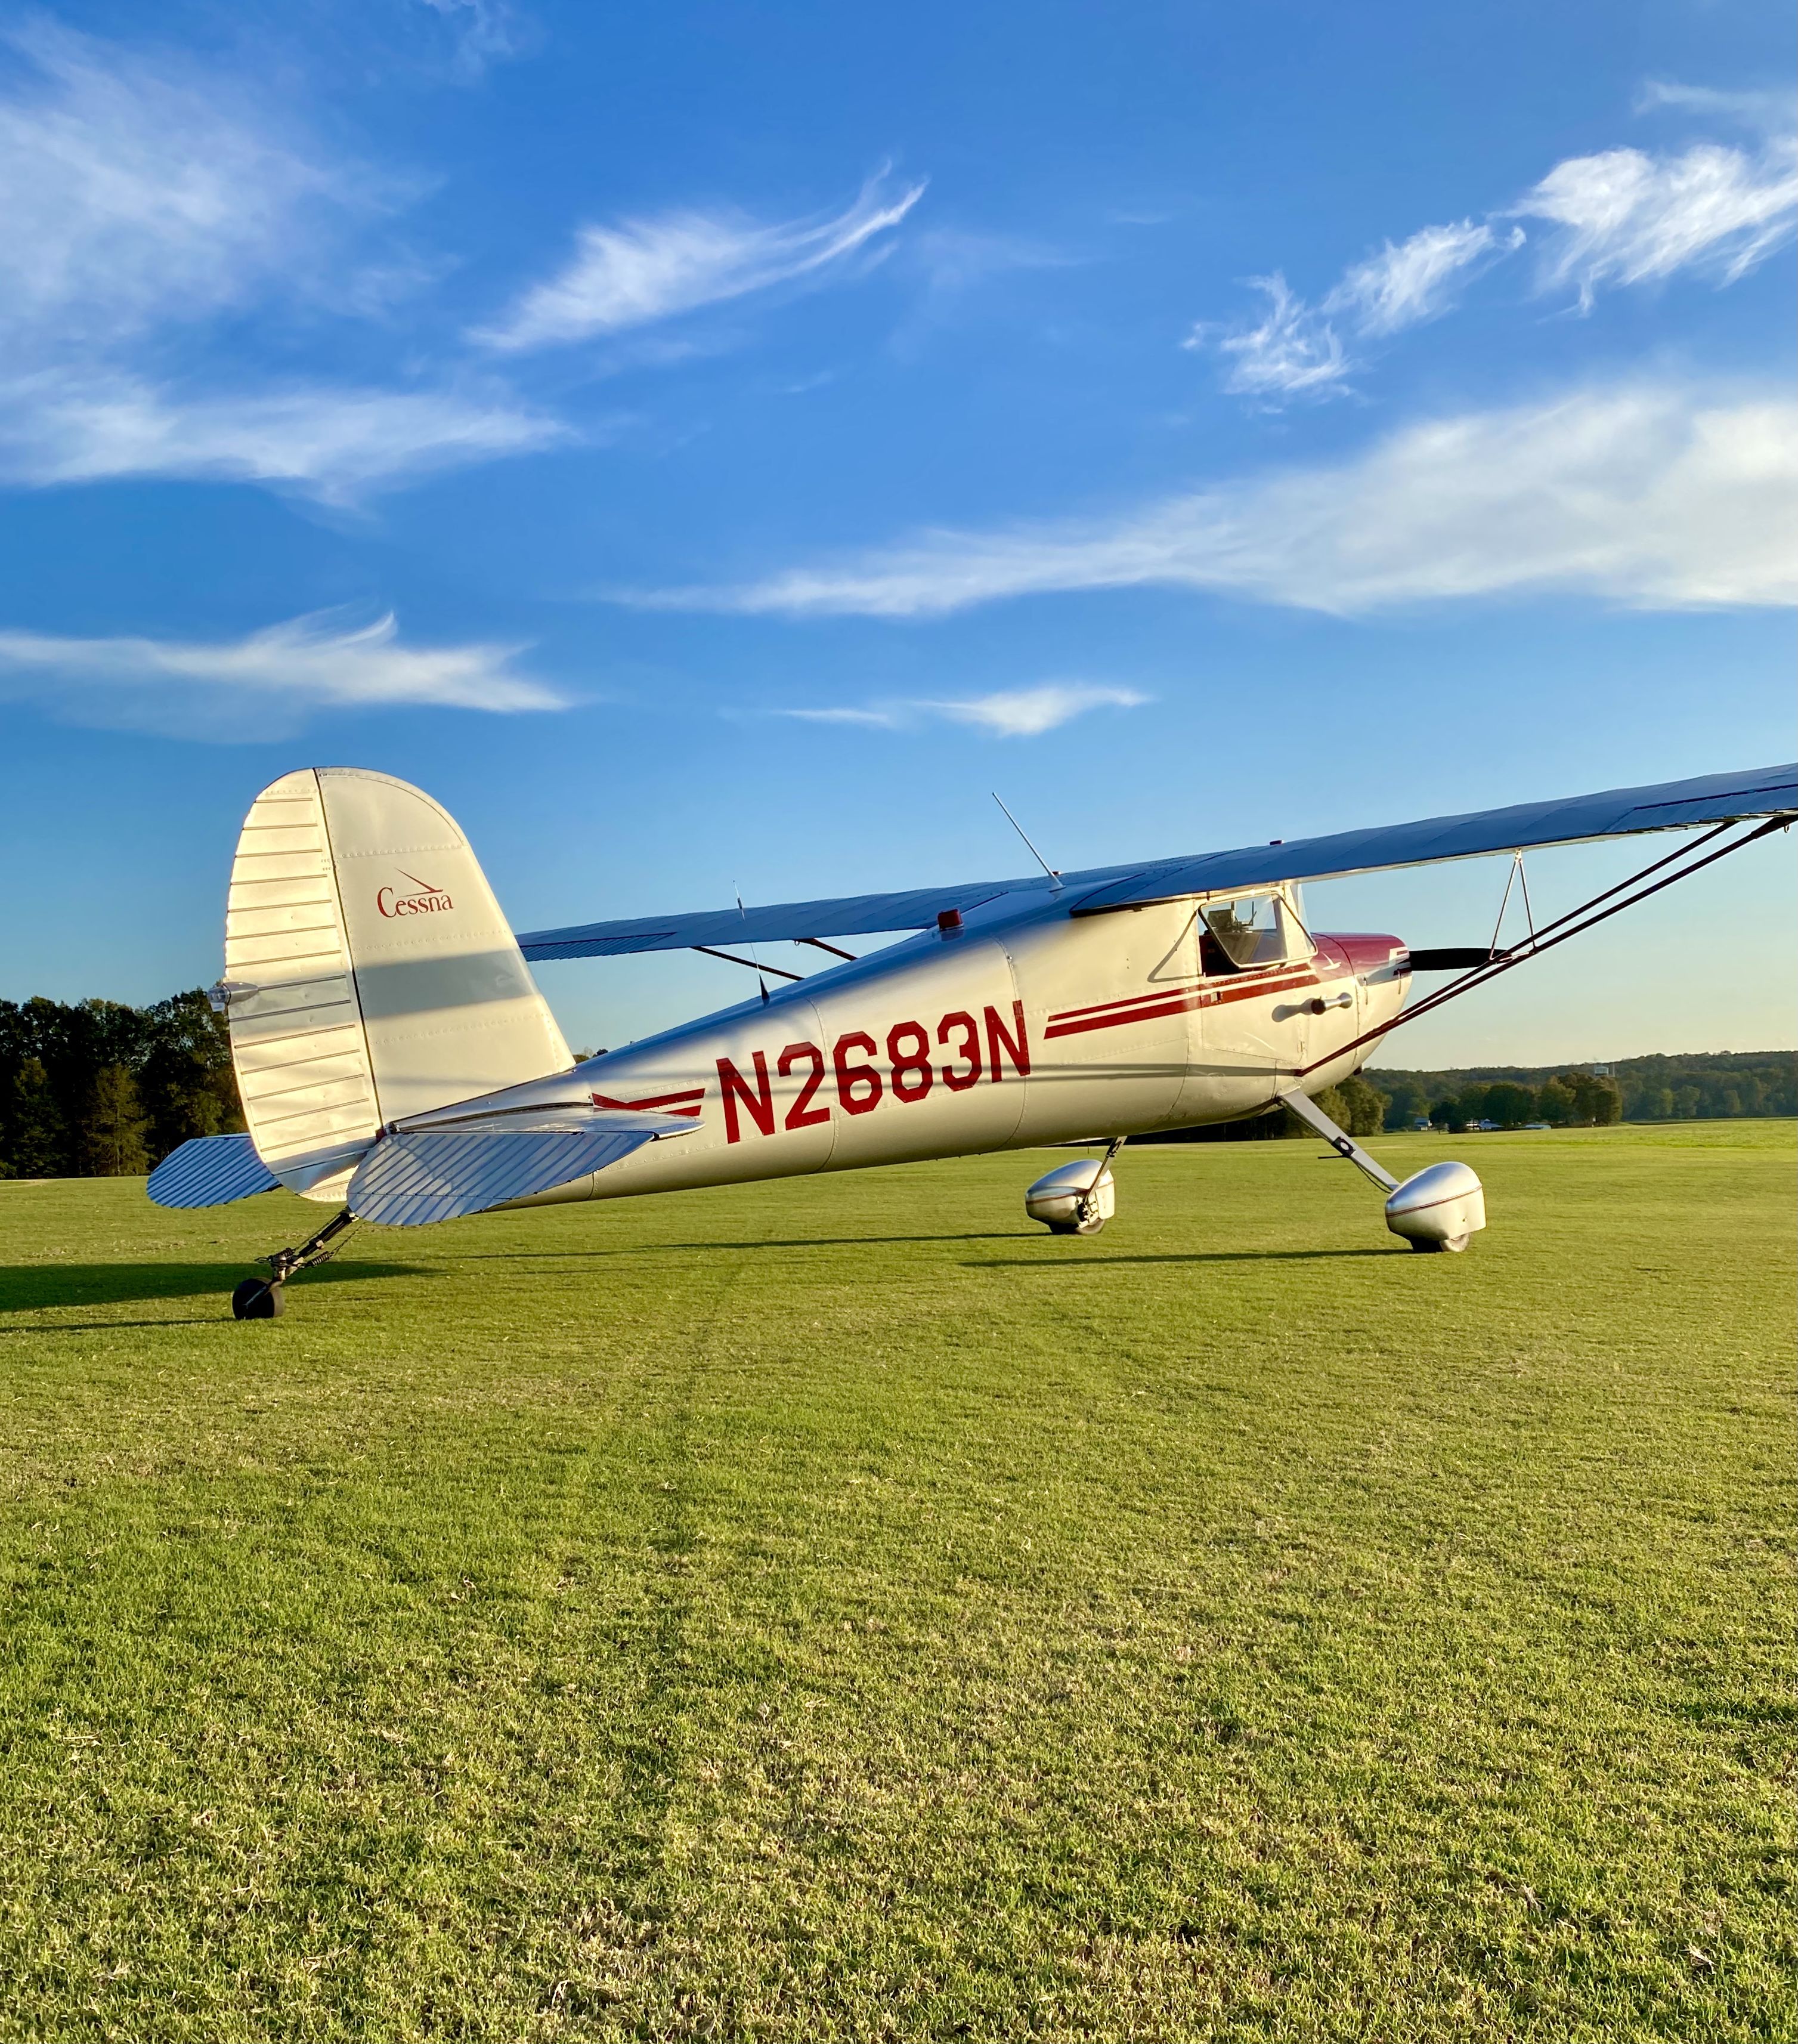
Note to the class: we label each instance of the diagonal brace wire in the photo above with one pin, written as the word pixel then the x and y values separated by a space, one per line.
pixel 1541 940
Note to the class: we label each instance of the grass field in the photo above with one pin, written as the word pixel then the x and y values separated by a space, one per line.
pixel 837 1609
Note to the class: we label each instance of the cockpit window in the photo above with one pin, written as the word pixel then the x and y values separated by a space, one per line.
pixel 1257 930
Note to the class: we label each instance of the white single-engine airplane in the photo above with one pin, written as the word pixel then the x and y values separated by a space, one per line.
pixel 396 1060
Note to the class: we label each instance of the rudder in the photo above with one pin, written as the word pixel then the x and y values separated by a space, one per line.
pixel 369 972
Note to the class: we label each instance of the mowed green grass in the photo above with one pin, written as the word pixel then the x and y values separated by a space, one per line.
pixel 838 1609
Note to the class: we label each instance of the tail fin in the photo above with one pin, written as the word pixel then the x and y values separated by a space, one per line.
pixel 369 972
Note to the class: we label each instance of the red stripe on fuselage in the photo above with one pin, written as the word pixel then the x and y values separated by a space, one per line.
pixel 668 1101
pixel 1152 1006
pixel 1130 1001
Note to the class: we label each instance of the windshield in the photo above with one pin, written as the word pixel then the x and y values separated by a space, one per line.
pixel 1255 932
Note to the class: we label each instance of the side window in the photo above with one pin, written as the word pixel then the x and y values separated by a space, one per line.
pixel 1251 934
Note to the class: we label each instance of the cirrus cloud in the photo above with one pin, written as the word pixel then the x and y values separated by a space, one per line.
pixel 1658 498
pixel 147 199
pixel 333 442
pixel 1006 713
pixel 644 271
pixel 265 683
pixel 1618 216
pixel 1624 217
pixel 1403 285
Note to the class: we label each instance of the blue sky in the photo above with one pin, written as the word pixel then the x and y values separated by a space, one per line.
pixel 711 447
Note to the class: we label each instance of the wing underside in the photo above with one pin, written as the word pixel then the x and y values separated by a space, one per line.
pixel 1712 798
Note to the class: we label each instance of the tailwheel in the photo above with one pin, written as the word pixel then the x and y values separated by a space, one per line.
pixel 263 1298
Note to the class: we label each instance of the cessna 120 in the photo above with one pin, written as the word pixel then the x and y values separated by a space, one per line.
pixel 396 1060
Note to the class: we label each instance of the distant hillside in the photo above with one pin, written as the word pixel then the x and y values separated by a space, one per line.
pixel 1719 1084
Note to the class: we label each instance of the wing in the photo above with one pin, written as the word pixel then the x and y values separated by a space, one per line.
pixel 853 915
pixel 1711 798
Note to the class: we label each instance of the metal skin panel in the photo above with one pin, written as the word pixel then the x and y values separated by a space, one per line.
pixel 210 1171
pixel 376 976
pixel 1618 812
pixel 449 1005
pixel 296 1040
pixel 1171 1048
pixel 830 1077
pixel 1111 1004
pixel 416 1178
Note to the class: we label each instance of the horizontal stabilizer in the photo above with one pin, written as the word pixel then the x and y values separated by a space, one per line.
pixel 210 1171
pixel 1711 798
pixel 420 1175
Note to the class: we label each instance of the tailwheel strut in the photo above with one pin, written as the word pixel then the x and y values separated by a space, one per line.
pixel 262 1298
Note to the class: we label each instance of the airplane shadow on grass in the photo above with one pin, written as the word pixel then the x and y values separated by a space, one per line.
pixel 1086 1262
pixel 793 1242
pixel 1046 1259
pixel 29 1288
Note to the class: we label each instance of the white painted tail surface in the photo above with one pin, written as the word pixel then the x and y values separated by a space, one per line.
pixel 372 973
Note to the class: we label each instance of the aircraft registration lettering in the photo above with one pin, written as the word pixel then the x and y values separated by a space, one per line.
pixel 801 1114
pixel 907 1075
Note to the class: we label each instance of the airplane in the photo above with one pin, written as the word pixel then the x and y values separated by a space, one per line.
pixel 395 1059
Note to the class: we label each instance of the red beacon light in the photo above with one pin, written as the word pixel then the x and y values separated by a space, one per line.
pixel 948 922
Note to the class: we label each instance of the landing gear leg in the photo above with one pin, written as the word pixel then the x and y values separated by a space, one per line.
pixel 1089 1218
pixel 262 1298
pixel 1435 1210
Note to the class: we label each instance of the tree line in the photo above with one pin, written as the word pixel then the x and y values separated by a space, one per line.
pixel 96 1088
pixel 1719 1085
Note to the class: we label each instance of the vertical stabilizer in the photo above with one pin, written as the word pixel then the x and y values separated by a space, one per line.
pixel 370 973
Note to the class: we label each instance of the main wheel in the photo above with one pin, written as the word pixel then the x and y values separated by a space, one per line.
pixel 1453 1246
pixel 1075 1226
pixel 257 1299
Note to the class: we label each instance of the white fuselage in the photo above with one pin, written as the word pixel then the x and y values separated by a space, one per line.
pixel 1005 1033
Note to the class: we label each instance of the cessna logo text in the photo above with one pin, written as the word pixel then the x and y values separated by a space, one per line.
pixel 860 1079
pixel 422 899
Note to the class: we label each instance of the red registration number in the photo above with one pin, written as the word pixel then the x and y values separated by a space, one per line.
pixel 854 1077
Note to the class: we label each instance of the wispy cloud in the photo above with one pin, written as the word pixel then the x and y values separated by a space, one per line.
pixel 1657 496
pixel 1619 216
pixel 483 32
pixel 147 200
pixel 334 442
pixel 1770 112
pixel 232 689
pixel 641 270
pixel 1413 281
pixel 140 190
pixel 1626 217
pixel 1293 350
pixel 1296 349
pixel 1007 713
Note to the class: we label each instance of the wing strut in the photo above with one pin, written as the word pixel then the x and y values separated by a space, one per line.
pixel 1539 941
pixel 730 958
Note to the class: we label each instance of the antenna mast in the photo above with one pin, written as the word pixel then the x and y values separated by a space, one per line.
pixel 1055 878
